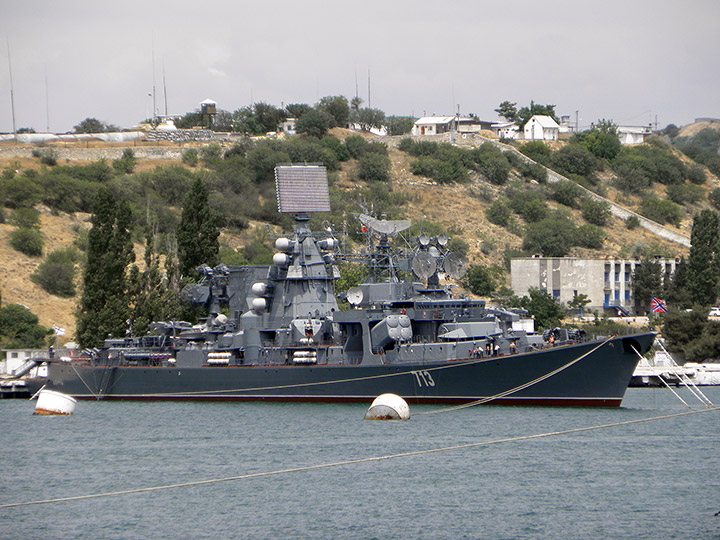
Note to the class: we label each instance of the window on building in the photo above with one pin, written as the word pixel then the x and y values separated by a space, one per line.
pixel 556 293
pixel 607 276
pixel 617 295
pixel 627 295
pixel 627 277
pixel 617 276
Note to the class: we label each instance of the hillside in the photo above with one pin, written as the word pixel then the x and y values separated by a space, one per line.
pixel 460 207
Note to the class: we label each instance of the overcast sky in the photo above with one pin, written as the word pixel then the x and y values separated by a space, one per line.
pixel 630 61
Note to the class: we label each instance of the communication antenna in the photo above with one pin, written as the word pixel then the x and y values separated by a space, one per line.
pixel 384 226
pixel 12 90
pixel 354 295
pixel 423 265
pixel 302 188
pixel 165 90
pixel 455 266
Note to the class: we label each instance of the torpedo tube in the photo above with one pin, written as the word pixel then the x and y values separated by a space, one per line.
pixel 388 407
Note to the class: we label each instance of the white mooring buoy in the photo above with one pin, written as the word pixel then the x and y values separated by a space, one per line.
pixel 51 402
pixel 388 407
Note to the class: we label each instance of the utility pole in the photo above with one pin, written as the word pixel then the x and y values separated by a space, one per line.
pixel 12 91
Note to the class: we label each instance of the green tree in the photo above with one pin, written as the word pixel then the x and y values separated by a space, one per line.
pixel 579 302
pixel 499 212
pixel 367 118
pixel 704 260
pixel 90 125
pixel 547 311
pixel 197 234
pixel 552 236
pixel 602 140
pixel 400 125
pixel 677 292
pixel 19 328
pixel 152 298
pixel 479 280
pixel 337 107
pixel 508 111
pixel 126 164
pixel 103 308
pixel 315 123
pixel 374 167
pixel 297 110
pixel 647 282
pixel 526 113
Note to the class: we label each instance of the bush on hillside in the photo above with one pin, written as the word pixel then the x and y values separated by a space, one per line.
pixel 190 157
pixel 566 193
pixel 28 218
pixel 374 167
pixel 683 194
pixel 27 241
pixel 499 212
pixel 595 212
pixel 537 151
pixel 57 272
pixel 661 211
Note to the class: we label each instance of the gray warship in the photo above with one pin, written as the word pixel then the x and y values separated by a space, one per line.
pixel 277 332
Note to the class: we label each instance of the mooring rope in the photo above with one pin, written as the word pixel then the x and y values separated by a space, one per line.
pixel 517 388
pixel 355 461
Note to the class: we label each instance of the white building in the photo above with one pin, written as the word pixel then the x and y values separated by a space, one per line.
pixel 287 126
pixel 541 128
pixel 16 358
pixel 607 282
pixel 633 134
pixel 506 130
pixel 432 125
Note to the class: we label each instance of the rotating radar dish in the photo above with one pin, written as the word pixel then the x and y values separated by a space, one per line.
pixel 354 295
pixel 424 265
pixel 455 266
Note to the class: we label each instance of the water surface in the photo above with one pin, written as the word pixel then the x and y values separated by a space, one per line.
pixel 649 480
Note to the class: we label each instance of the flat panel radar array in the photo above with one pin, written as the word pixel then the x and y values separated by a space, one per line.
pixel 302 188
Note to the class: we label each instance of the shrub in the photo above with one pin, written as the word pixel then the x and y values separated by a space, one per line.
pixel 337 147
pixel 714 198
pixel 448 172
pixel 355 145
pixel 683 194
pixel 190 157
pixel 27 241
pixel 567 193
pixel 406 144
pixel 661 211
pixel 595 211
pixel 589 236
pixel 48 157
pixel 574 158
pixel 499 212
pixel 56 273
pixel 20 192
pixel 527 203
pixel 696 175
pixel 552 236
pixel 632 222
pixel 537 151
pixel 423 166
pixel 495 168
pixel 374 167
pixel 27 218
pixel 479 280
pixel 210 153
pixel 533 170
pixel 631 179
pixel 126 164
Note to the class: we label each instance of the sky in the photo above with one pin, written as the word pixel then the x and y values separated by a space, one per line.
pixel 635 62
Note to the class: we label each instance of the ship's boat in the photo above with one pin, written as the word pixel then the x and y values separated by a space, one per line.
pixel 277 332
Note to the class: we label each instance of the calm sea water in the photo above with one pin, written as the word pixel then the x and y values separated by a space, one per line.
pixel 651 480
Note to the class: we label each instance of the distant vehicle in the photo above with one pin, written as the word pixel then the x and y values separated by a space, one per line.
pixel 714 312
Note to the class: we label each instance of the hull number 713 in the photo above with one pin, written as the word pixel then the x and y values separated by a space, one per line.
pixel 423 378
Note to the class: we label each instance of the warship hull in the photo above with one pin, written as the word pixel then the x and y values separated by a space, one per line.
pixel 587 374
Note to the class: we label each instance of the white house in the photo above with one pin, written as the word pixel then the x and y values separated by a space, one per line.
pixel 432 125
pixel 541 128
pixel 633 134
pixel 287 126
pixel 506 130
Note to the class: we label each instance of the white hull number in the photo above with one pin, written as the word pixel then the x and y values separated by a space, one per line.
pixel 423 378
